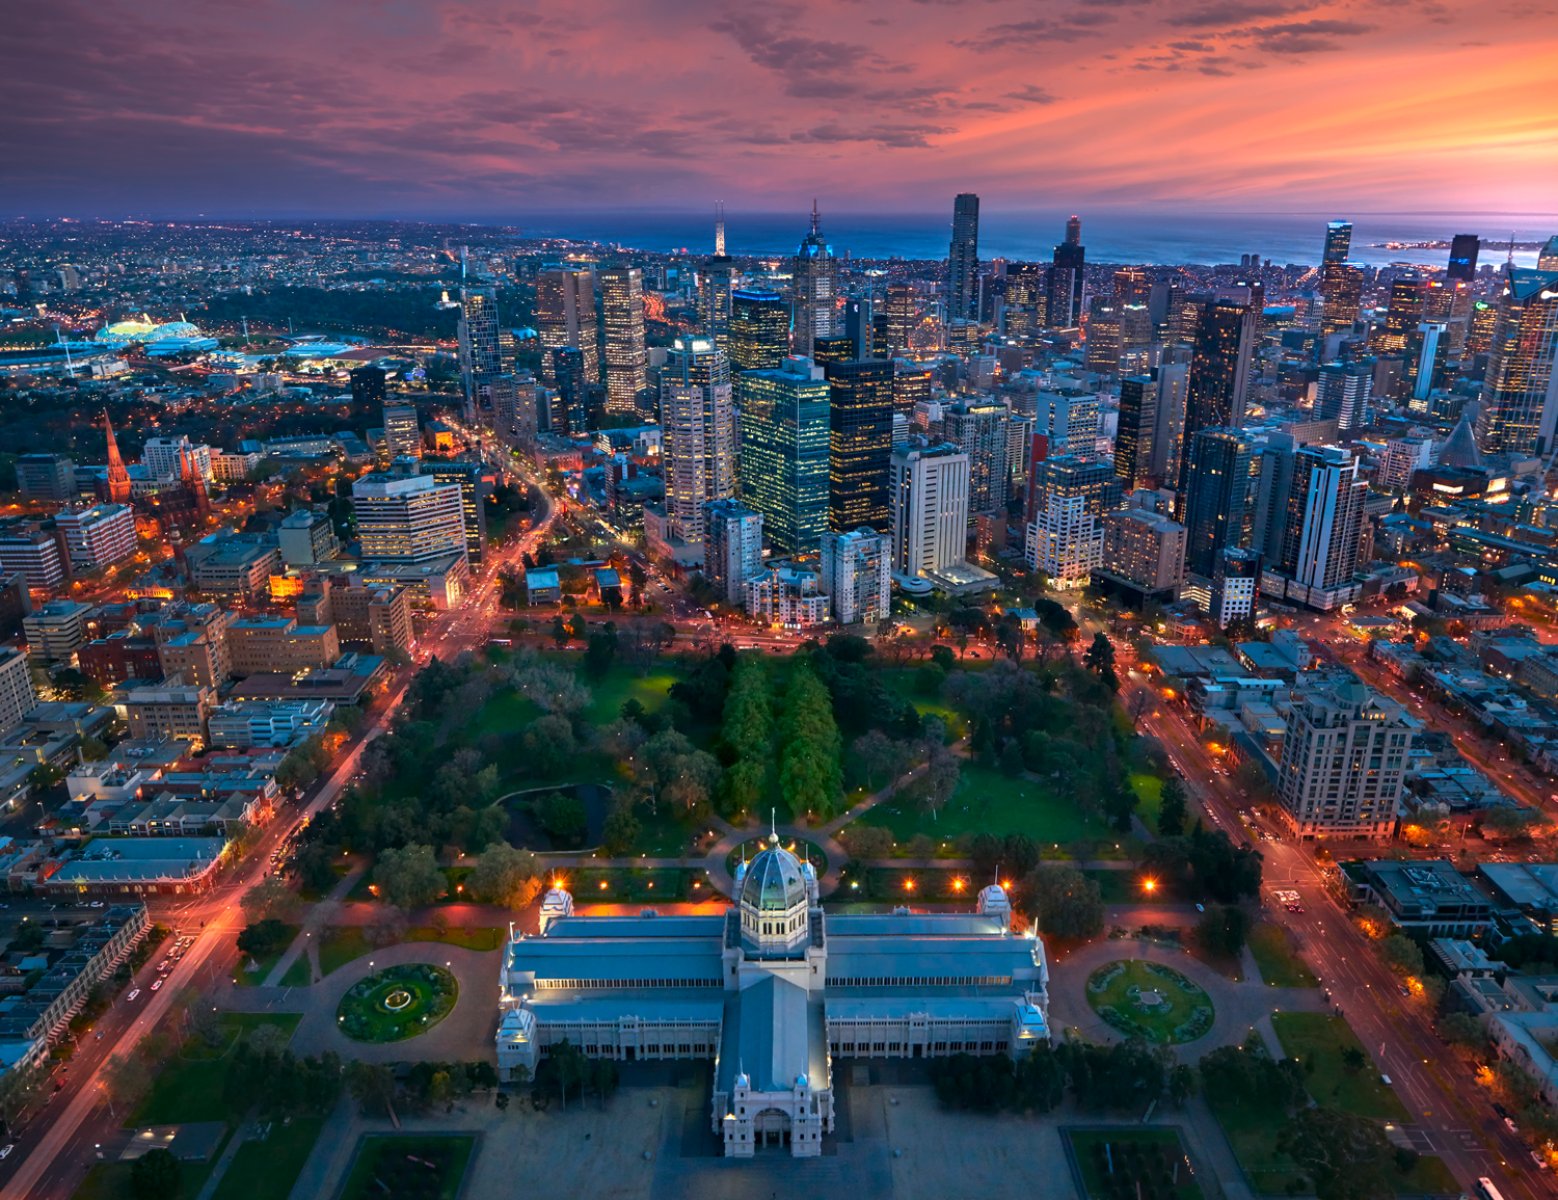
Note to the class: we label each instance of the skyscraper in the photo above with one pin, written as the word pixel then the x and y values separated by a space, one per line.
pixel 716 282
pixel 1172 375
pixel 1065 540
pixel 1219 376
pixel 1064 293
pixel 785 452
pixel 1341 289
pixel 1408 294
pixel 1136 431
pixel 759 330
pixel 902 313
pixel 470 476
pixel 1322 528
pixel 859 322
pixel 697 417
pixel 980 429
pixel 1547 256
pixel 856 575
pixel 408 518
pixel 402 433
pixel 963 258
pixel 1428 354
pixel 929 496
pixel 565 316
pixel 481 357
pixel 368 386
pixel 814 280
pixel 1338 242
pixel 571 412
pixel 732 549
pixel 1463 257
pixel 1217 497
pixel 1342 394
pixel 622 313
pixel 1520 391
pixel 1026 309
pixel 860 444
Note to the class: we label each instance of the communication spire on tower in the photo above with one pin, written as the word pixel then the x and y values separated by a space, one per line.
pixel 719 229
pixel 816 217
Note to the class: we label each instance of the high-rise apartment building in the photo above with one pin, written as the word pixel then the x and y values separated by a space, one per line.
pixel 370 386
pixel 1143 555
pixel 622 313
pixel 1067 418
pixel 402 433
pixel 1066 537
pixel 759 330
pixel 716 283
pixel 1322 527
pixel 17 698
pixel 1520 391
pixel 1408 295
pixel 32 553
pixel 470 476
pixel 963 259
pixel 1026 309
pixel 856 575
pixel 979 428
pixel 732 549
pixel 565 316
pixel 697 417
pixel 481 352
pixel 814 283
pixel 1216 505
pixel 785 450
pixel 902 314
pixel 1344 762
pixel 408 518
pixel 1172 376
pixel 929 491
pixel 860 444
pixel 98 536
pixel 1342 394
pixel 1341 289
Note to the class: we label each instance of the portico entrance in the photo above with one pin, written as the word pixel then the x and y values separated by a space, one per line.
pixel 771 1128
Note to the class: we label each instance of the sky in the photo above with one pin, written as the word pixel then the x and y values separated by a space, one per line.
pixel 491 108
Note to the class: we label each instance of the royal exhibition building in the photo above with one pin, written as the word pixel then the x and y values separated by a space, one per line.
pixel 773 991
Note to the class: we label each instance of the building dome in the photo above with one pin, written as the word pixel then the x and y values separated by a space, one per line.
pixel 775 881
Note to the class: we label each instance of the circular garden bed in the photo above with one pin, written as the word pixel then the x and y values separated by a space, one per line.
pixel 1150 1001
pixel 397 1003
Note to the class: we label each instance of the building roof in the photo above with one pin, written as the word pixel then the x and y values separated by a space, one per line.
pixel 774 881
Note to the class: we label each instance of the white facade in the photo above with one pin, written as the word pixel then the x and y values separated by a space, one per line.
pixel 233 467
pixel 402 433
pixel 35 555
pixel 1069 419
pixel 243 723
pixel 733 549
pixel 698 423
pixel 162 458
pixel 17 698
pixel 786 596
pixel 928 501
pixel 97 536
pixel 408 518
pixel 856 575
pixel 1065 540
pixel 1400 458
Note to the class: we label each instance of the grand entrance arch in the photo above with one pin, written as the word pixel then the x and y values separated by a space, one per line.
pixel 771 1127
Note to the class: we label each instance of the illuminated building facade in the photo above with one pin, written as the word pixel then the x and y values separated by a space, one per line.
pixel 860 444
pixel 622 312
pixel 697 417
pixel 814 280
pixel 963 259
pixel 759 330
pixel 1520 392
pixel 785 449
pixel 565 316
pixel 408 518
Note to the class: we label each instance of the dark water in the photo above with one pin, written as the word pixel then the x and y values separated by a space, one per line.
pixel 1110 236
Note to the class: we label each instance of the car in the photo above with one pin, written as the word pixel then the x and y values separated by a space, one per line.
pixel 5 1150
pixel 134 992
pixel 162 967
pixel 1509 1124
pixel 155 984
pixel 1200 908
pixel 1539 1159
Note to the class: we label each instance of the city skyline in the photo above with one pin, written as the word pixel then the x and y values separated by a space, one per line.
pixel 1211 106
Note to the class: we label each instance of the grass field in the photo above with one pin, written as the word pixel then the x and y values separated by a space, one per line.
pixel 622 684
pixel 1318 1041
pixel 1278 961
pixel 1149 794
pixel 1253 1131
pixel 190 1086
pixel 477 938
pixel 267 1170
pixel 987 801
pixel 1135 1154
pixel 381 1168
pixel 1184 1011
pixel 339 945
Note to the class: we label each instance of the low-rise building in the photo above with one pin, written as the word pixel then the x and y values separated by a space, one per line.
pixel 172 709
pixel 56 630
pixel 124 867
pixel 280 644
pixel 98 536
pixel 1429 898
pixel 237 565
pixel 243 723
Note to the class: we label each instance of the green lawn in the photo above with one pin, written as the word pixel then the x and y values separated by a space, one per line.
pixel 505 713
pixel 299 974
pixel 903 680
pixel 397 1003
pixel 1253 1130
pixel 189 1086
pixel 1278 961
pixel 1317 1040
pixel 1184 1011
pixel 339 945
pixel 1149 794
pixel 382 1168
pixel 111 1180
pixel 267 1170
pixel 620 885
pixel 478 938
pixel 987 801
pixel 906 885
pixel 1135 1154
pixel 622 684
pixel 247 978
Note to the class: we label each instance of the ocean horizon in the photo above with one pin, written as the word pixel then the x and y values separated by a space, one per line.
pixel 1145 237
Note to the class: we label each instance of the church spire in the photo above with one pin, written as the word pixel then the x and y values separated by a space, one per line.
pixel 118 477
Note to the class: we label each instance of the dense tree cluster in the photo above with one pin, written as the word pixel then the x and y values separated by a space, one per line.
pixel 280 1083
pixel 811 777
pixel 746 741
pixel 1206 865
pixel 1127 1076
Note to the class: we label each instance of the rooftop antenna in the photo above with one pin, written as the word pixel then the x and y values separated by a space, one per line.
pixel 816 217
pixel 773 823
pixel 719 229
pixel 244 321
pixel 463 250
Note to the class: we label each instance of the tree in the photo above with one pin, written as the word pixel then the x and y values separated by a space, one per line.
pixel 1222 930
pixel 564 818
pixel 1464 1030
pixel 1404 956
pixel 549 745
pixel 92 749
pixel 810 777
pixel 1100 654
pixel 409 877
pixel 156 1175
pixel 621 830
pixel 271 897
pixel 372 1085
pixel 867 841
pixel 506 876
pixel 1345 1157
pixel 1172 810
pixel 1067 903
pixel 264 938
pixel 940 780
